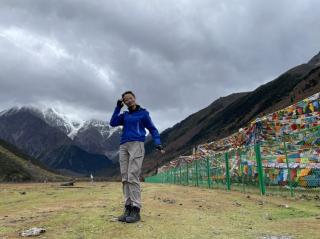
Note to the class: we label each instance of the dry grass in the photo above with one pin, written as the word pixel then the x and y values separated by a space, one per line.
pixel 169 211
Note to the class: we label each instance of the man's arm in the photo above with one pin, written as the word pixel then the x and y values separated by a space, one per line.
pixel 116 119
pixel 152 129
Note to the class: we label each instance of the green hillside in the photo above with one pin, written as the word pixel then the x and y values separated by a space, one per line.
pixel 15 166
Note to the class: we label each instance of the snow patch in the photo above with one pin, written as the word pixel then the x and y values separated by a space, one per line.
pixel 67 123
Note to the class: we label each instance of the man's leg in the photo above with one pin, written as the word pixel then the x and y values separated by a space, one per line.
pixel 136 151
pixel 135 194
pixel 124 162
pixel 134 169
pixel 126 193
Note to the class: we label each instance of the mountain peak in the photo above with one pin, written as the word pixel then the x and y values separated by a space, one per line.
pixel 68 125
pixel 17 109
pixel 315 60
pixel 103 126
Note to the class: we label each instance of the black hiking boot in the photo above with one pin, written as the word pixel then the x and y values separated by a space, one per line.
pixel 134 215
pixel 127 211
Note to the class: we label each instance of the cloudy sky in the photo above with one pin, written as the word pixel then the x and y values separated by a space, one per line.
pixel 177 56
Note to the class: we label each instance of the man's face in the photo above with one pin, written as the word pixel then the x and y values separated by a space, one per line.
pixel 129 100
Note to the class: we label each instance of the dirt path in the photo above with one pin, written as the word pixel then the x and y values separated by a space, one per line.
pixel 169 211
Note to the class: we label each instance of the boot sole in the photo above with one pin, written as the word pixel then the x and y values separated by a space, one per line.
pixel 122 220
pixel 133 221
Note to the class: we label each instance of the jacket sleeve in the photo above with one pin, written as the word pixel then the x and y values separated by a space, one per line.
pixel 152 129
pixel 116 119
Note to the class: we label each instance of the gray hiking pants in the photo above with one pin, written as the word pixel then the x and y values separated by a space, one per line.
pixel 131 156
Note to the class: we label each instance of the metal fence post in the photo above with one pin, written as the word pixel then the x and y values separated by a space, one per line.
pixel 288 168
pixel 260 170
pixel 208 172
pixel 172 175
pixel 227 171
pixel 187 173
pixel 197 173
pixel 241 169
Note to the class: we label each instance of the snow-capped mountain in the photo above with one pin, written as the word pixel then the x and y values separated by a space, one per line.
pixel 73 127
pixel 51 116
pixel 94 136
pixel 67 124
pixel 46 133
pixel 23 127
pixel 102 126
pixel 97 136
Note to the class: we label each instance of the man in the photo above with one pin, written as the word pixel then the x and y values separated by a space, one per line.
pixel 131 152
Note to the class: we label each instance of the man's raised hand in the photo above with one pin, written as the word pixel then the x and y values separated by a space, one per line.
pixel 120 103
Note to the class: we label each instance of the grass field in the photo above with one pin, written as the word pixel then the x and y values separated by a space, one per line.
pixel 169 211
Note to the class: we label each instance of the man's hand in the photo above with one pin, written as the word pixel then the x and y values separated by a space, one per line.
pixel 120 103
pixel 160 148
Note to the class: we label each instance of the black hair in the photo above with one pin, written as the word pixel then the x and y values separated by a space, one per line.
pixel 128 92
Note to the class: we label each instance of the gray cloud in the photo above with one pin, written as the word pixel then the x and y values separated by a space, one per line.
pixel 177 56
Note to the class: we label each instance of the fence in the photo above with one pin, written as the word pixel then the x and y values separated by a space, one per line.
pixel 289 165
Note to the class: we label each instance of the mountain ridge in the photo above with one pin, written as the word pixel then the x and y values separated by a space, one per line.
pixel 27 128
pixel 210 124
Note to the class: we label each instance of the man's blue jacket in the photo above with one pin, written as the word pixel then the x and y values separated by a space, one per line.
pixel 134 123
